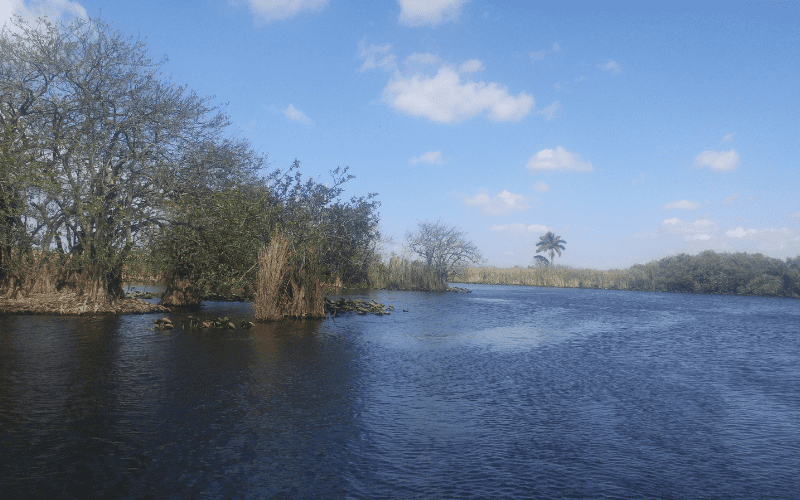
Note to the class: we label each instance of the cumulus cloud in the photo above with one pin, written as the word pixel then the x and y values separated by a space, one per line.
pixel 682 205
pixel 702 229
pixel 723 160
pixel 730 200
pixel 429 12
pixel 550 111
pixel 740 232
pixel 610 67
pixel 432 157
pixel 538 55
pixel 376 56
pixel 558 159
pixel 445 98
pixel 504 203
pixel 519 228
pixel 541 187
pixel 296 115
pixel 267 11
pixel 54 10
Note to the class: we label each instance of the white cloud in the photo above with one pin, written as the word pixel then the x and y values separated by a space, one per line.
pixel 727 138
pixel 740 232
pixel 471 66
pixel 422 59
pixel 537 56
pixel 296 115
pixel 550 111
pixel 725 160
pixel 702 229
pixel 610 67
pixel 558 159
pixel 541 187
pixel 730 200
pixel 504 203
pixel 432 157
pixel 429 12
pixel 376 56
pixel 556 47
pixel 519 228
pixel 795 215
pixel 266 11
pixel 444 98
pixel 682 205
pixel 54 10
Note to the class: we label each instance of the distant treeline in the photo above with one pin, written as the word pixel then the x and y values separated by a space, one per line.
pixel 707 272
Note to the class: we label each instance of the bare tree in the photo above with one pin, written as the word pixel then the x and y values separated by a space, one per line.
pixel 444 248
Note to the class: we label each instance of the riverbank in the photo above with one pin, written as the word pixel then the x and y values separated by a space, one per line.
pixel 72 304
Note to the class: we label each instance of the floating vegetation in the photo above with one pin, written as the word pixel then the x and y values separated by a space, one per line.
pixel 362 307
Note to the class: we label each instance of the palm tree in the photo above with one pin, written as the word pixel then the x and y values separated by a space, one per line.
pixel 550 243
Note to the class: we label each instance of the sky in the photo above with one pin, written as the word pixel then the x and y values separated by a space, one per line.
pixel 631 132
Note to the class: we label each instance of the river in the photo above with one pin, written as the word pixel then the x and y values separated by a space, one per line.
pixel 505 392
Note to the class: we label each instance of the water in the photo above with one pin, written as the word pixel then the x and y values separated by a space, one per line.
pixel 511 392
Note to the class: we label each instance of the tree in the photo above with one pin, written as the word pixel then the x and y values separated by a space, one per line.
pixel 539 261
pixel 443 248
pixel 549 242
pixel 112 141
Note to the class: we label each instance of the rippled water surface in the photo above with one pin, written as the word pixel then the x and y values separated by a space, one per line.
pixel 504 392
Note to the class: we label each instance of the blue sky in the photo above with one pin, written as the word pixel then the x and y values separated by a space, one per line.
pixel 632 133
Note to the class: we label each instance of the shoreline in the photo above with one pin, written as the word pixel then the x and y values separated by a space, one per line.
pixel 71 304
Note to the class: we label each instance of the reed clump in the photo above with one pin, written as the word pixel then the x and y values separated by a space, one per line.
pixel 284 289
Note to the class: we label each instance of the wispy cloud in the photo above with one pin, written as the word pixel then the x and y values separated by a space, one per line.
pixel 432 157
pixel 538 55
pixel 549 111
pixel 795 215
pixel 556 47
pixel 721 161
pixel 429 12
pixel 682 205
pixel 730 200
pixel 740 232
pixel 610 67
pixel 702 229
pixel 541 187
pixel 296 115
pixel 726 138
pixel 422 59
pixel 54 10
pixel 520 229
pixel 267 11
pixel 376 56
pixel 558 159
pixel 447 98
pixel 503 203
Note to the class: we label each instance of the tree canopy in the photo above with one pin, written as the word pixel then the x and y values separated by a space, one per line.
pixel 443 247
pixel 549 242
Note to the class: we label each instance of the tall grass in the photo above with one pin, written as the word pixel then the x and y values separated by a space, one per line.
pixel 558 277
pixel 402 274
pixel 284 291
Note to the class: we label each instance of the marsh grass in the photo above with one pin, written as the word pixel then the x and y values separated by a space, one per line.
pixel 403 274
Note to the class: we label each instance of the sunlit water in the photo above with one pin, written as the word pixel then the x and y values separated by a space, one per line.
pixel 509 392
